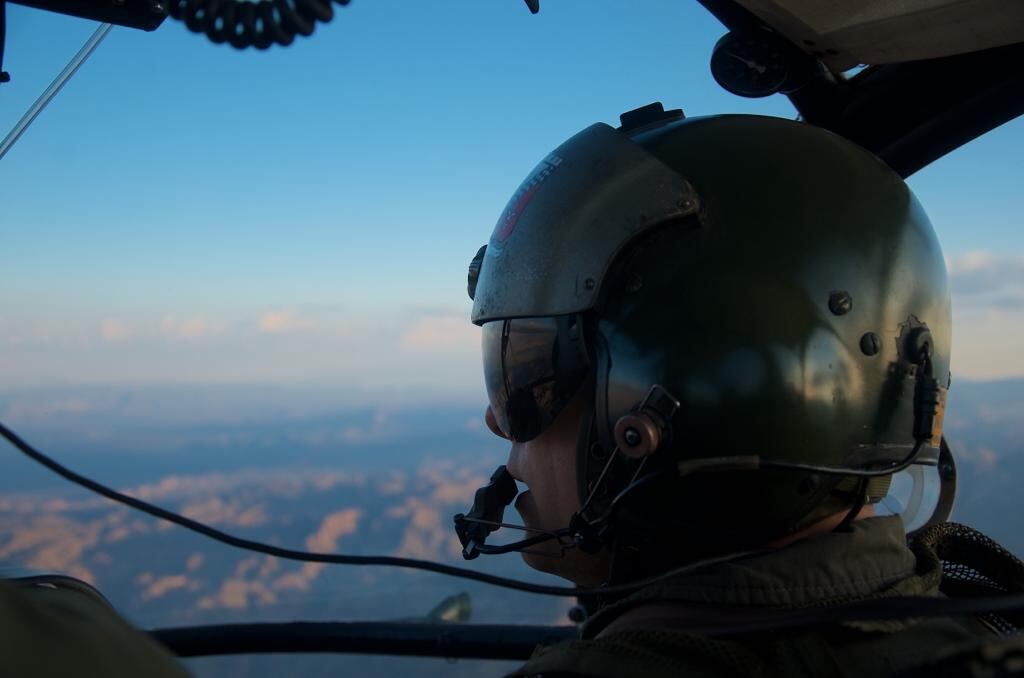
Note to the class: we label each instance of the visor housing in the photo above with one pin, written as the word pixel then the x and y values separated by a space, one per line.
pixel 563 228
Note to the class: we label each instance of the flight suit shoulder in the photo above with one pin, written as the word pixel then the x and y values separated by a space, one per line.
pixel 54 631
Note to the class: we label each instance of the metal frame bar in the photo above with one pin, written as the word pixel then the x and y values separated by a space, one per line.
pixel 493 641
pixel 468 641
pixel 146 15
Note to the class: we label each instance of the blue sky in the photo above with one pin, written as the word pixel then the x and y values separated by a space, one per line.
pixel 187 212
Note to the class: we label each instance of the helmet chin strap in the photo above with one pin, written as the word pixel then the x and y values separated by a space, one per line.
pixel 490 501
pixel 488 510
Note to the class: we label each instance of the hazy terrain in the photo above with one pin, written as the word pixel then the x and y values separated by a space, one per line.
pixel 281 466
pixel 287 467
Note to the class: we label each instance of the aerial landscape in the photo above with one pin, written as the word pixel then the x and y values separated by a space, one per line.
pixel 359 482
pixel 351 481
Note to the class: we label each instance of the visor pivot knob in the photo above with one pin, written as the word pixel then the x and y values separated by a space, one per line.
pixel 474 272
pixel 637 436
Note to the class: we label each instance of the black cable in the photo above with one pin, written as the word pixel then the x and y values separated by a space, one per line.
pixel 247 23
pixel 844 471
pixel 259 23
pixel 751 463
pixel 858 503
pixel 338 559
pixel 4 75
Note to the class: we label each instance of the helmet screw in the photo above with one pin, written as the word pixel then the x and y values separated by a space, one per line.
pixel 632 437
pixel 577 615
pixel 870 343
pixel 634 283
pixel 840 302
pixel 589 283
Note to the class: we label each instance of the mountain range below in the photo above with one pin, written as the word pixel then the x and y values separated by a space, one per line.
pixel 286 467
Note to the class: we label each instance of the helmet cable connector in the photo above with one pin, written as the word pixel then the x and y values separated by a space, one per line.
pixel 927 393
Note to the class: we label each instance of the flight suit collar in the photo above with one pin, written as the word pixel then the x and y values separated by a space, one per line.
pixel 870 560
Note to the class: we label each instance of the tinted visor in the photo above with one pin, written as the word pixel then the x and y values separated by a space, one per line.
pixel 532 367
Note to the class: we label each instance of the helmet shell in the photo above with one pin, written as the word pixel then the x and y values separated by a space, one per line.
pixel 778 319
pixel 777 311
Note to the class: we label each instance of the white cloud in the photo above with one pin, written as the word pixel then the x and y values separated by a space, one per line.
pixel 988 314
pixel 27 411
pixel 987 278
pixel 192 328
pixel 114 330
pixel 441 333
pixel 284 322
pixel 986 342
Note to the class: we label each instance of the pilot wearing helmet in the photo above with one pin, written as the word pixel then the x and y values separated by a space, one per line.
pixel 712 342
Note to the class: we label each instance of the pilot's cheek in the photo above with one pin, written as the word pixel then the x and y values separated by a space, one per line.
pixel 516 463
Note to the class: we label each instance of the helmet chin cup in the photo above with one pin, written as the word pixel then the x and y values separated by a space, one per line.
pixel 637 435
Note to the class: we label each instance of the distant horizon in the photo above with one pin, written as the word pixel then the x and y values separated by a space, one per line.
pixel 111 409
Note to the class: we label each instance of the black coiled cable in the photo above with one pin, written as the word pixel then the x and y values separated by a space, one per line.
pixel 244 23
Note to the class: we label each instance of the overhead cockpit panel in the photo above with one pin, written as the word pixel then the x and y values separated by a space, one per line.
pixel 846 33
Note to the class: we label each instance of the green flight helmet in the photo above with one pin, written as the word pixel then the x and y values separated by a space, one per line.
pixel 732 287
